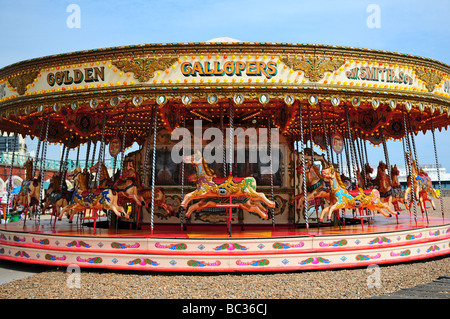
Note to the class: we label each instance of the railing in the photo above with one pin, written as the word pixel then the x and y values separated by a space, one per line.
pixel 52 165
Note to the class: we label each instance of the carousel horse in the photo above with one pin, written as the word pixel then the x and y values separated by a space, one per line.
pixel 56 198
pixel 359 198
pixel 244 203
pixel 366 182
pixel 146 193
pixel 127 186
pixel 95 199
pixel 209 186
pixel 315 186
pixel 28 196
pixel 397 192
pixel 421 185
pixel 383 184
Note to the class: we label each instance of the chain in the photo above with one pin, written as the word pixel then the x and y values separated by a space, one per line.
pixel 269 137
pixel 413 142
pixel 125 120
pixel 153 167
pixel 231 139
pixel 361 157
pixel 61 161
pixel 147 155
pixel 224 156
pixel 42 170
pixel 88 150
pixel 78 156
pixel 38 147
pixel 182 174
pixel 386 155
pixel 437 168
pixel 302 143
pixel 337 155
pixel 310 134
pixel 408 156
pixel 351 144
pixel 100 153
pixel 325 135
pixel 64 169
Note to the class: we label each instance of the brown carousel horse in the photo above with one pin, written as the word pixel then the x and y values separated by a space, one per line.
pixel 397 192
pixel 367 181
pixel 129 186
pixel 95 199
pixel 28 196
pixel 422 186
pixel 209 186
pixel 359 198
pixel 383 184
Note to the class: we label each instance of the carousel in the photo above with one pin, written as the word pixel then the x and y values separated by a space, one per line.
pixel 244 157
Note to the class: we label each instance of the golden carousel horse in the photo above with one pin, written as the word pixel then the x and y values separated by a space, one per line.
pixel 244 203
pixel 341 198
pixel 96 199
pixel 209 186
pixel 28 196
pixel 422 186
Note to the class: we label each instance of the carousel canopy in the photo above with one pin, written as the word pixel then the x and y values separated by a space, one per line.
pixel 78 90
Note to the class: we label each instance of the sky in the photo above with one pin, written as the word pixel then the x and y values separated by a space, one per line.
pixel 36 28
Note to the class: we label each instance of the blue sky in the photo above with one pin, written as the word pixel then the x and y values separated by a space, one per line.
pixel 31 29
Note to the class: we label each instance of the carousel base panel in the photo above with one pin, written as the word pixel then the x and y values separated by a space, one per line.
pixel 200 248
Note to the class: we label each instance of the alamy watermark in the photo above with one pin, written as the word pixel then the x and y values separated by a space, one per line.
pixel 74 279
pixel 374 280
pixel 260 149
pixel 73 21
pixel 374 19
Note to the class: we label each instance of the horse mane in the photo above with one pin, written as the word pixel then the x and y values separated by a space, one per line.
pixel 83 181
pixel 28 169
pixel 338 178
pixel 56 180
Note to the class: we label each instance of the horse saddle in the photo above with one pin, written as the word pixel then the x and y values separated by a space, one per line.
pixel 356 192
pixel 94 192
pixel 221 180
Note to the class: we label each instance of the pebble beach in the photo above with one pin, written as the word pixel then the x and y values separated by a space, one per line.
pixel 329 284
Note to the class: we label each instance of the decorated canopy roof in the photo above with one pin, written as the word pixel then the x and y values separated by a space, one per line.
pixel 202 80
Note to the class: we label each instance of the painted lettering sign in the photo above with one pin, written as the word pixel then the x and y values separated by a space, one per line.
pixel 379 74
pixel 229 68
pixel 76 76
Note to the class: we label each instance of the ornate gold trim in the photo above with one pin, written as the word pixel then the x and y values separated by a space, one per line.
pixel 430 78
pixel 20 82
pixel 313 67
pixel 144 68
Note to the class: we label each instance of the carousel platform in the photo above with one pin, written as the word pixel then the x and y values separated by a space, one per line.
pixel 200 248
